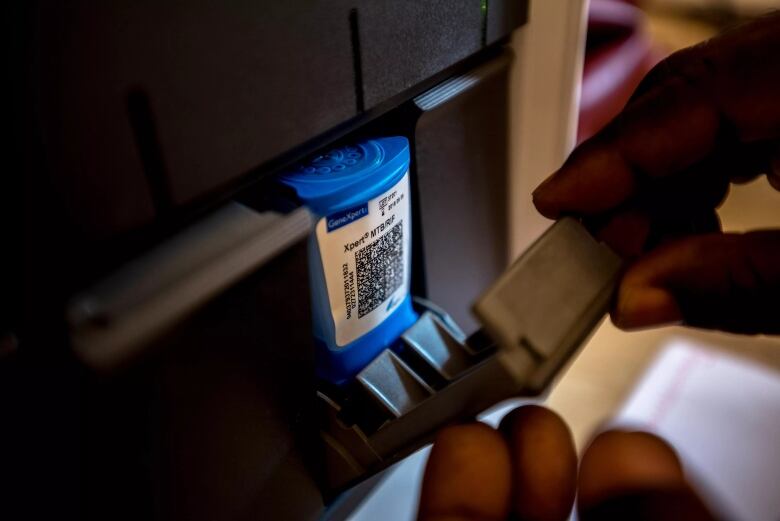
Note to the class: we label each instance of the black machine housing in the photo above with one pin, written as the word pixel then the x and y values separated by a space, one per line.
pixel 148 137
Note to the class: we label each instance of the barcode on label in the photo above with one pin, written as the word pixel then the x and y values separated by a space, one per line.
pixel 380 269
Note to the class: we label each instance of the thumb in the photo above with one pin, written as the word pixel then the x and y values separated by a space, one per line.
pixel 719 281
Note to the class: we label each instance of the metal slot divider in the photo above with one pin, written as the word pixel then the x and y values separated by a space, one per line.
pixel 393 384
pixel 393 387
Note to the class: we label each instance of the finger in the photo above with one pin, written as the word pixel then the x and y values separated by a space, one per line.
pixel 617 462
pixel 625 230
pixel 666 209
pixel 667 230
pixel 468 476
pixel 674 207
pixel 544 464
pixel 721 281
pixel 634 475
pixel 660 134
pixel 723 91
pixel 633 231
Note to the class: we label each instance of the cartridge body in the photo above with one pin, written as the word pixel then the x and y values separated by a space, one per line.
pixel 359 252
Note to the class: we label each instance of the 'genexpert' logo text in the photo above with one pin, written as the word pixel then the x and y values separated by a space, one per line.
pixel 344 217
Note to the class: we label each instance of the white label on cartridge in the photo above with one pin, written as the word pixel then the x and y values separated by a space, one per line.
pixel 365 254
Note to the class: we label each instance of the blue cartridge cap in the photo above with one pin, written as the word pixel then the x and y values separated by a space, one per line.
pixel 345 176
pixel 359 252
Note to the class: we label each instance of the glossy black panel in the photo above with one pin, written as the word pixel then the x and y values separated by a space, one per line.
pixel 404 42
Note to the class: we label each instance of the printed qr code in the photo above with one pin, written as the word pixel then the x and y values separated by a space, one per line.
pixel 380 270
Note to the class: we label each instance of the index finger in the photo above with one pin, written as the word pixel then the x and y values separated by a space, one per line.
pixel 723 91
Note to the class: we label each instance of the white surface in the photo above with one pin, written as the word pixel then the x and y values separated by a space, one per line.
pixel 722 415
pixel 397 496
pixel 544 97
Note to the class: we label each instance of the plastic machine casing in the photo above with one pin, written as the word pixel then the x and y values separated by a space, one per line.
pixel 164 365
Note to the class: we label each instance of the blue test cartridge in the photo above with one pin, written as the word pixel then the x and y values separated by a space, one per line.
pixel 359 252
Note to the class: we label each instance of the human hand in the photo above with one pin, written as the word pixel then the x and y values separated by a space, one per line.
pixel 649 183
pixel 527 470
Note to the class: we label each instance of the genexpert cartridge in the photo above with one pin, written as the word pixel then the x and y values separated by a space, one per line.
pixel 359 252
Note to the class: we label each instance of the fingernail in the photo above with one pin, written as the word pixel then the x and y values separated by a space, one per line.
pixel 542 197
pixel 643 306
pixel 544 186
